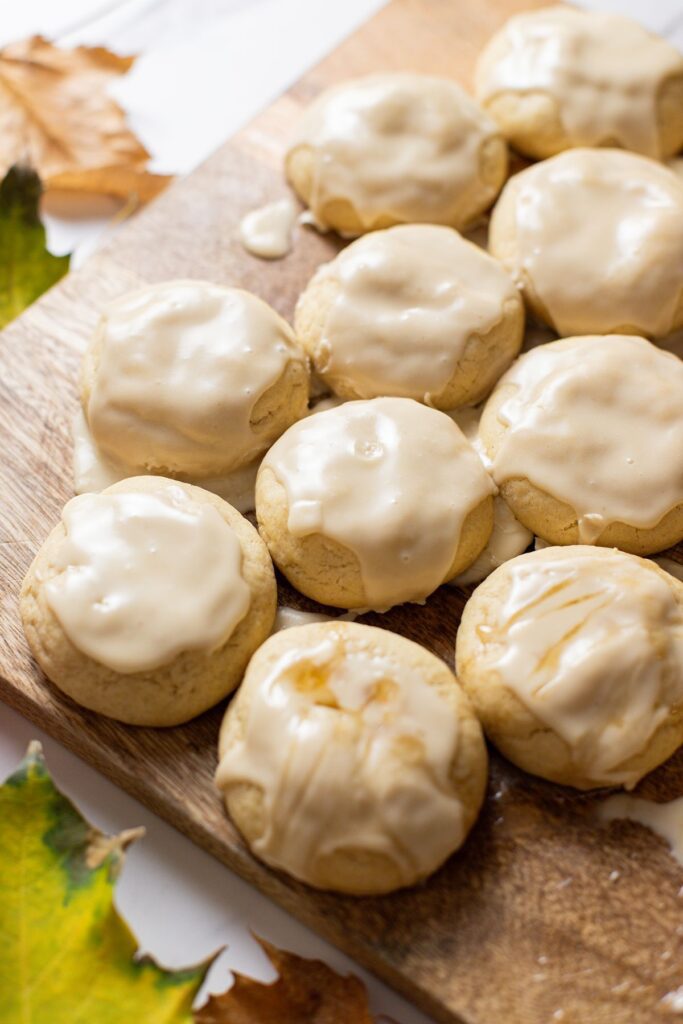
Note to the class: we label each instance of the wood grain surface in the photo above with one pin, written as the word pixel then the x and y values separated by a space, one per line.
pixel 543 916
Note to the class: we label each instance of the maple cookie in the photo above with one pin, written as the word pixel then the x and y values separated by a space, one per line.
pixel 557 78
pixel 374 503
pixel 573 659
pixel 396 148
pixel 413 311
pixel 188 378
pixel 351 758
pixel 594 238
pixel 147 600
pixel 585 438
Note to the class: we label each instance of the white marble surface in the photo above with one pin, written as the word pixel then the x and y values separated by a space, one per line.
pixel 206 66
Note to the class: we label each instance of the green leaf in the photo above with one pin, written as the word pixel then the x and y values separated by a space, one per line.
pixel 66 956
pixel 27 269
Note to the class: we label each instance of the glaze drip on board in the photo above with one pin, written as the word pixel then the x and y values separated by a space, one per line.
pixel 665 819
pixel 267 231
pixel 93 472
pixel 508 539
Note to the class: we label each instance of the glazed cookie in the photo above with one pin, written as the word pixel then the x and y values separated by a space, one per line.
pixel 594 238
pixel 396 148
pixel 191 379
pixel 413 311
pixel 374 503
pixel 585 438
pixel 573 658
pixel 558 78
pixel 146 602
pixel 351 758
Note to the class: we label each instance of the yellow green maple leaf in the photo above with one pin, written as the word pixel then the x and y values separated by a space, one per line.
pixel 66 955
pixel 27 269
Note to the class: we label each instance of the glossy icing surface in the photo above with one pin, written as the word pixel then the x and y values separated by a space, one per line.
pixel 351 750
pixel 583 417
pixel 143 576
pixel 603 71
pixel 364 475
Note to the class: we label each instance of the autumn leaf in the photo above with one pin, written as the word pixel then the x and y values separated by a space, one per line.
pixel 306 992
pixel 56 115
pixel 27 269
pixel 66 955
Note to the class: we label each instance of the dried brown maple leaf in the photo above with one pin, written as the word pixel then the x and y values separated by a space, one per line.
pixel 55 115
pixel 306 992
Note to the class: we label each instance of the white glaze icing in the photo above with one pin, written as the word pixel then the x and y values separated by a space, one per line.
pixel 352 751
pixel 673 1001
pixel 93 472
pixel 584 417
pixel 603 71
pixel 467 419
pixel 557 641
pixel 307 219
pixel 401 146
pixel 599 236
pixel 180 370
pixel 237 488
pixel 665 819
pixel 143 576
pixel 509 539
pixel 91 469
pixel 389 479
pixel 408 300
pixel 287 618
pixel 267 231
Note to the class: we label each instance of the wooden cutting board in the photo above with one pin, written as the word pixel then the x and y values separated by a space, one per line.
pixel 543 916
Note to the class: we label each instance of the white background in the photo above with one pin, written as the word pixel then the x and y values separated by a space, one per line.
pixel 206 67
